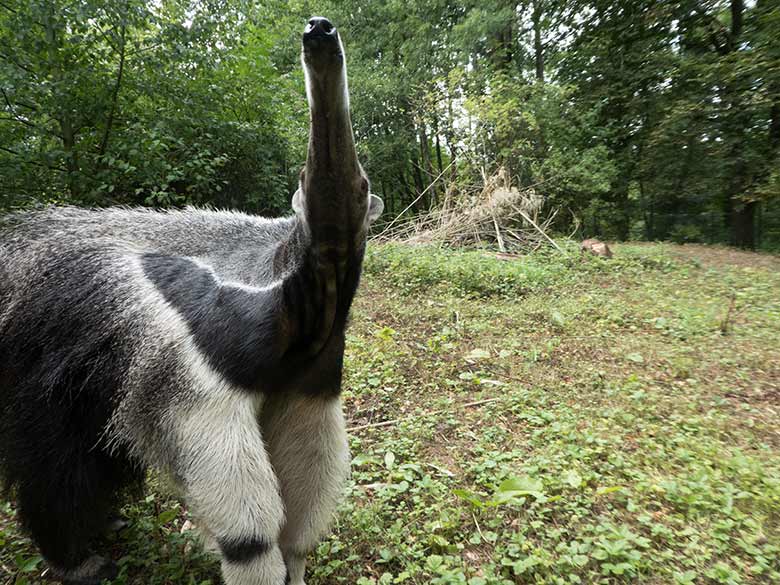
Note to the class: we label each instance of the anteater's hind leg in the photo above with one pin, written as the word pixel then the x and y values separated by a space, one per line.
pixel 65 498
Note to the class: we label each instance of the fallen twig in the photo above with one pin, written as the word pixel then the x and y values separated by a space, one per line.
pixel 493 213
pixel 408 207
pixel 388 423
pixel 725 324
pixel 540 230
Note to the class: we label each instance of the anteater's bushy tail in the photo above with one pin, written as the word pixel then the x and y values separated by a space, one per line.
pixel 61 364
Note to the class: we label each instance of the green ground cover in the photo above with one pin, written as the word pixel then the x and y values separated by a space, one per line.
pixel 554 419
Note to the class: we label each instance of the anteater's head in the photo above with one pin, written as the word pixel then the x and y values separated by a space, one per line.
pixel 333 196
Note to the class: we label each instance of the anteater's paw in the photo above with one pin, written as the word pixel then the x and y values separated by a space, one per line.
pixel 93 571
pixel 115 524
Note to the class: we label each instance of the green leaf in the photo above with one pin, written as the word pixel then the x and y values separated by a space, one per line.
pixel 572 478
pixel 685 578
pixel 362 459
pixel 471 497
pixel 433 562
pixel 523 484
pixel 27 565
pixel 514 490
pixel 167 516
pixel 385 334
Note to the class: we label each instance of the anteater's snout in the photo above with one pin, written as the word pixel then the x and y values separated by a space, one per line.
pixel 318 28
pixel 322 52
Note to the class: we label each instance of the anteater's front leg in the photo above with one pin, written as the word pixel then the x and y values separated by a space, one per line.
pixel 307 442
pixel 231 486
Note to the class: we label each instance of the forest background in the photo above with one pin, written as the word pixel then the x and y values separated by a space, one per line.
pixel 637 119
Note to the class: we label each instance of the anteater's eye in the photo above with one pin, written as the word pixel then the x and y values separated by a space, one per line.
pixel 364 185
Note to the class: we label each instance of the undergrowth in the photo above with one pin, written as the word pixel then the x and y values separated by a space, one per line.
pixel 414 269
pixel 556 419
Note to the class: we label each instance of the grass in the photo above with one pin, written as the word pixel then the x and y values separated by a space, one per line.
pixel 627 427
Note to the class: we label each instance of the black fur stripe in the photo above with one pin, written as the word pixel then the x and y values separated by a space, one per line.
pixel 243 551
pixel 236 329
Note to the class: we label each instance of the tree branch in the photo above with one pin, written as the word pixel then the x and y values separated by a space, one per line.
pixel 144 49
pixel 32 162
pixel 106 37
pixel 14 11
pixel 14 115
pixel 8 59
pixel 19 120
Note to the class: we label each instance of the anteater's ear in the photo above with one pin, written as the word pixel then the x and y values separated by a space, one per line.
pixel 297 202
pixel 375 207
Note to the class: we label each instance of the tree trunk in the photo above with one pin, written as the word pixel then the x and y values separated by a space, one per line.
pixel 774 122
pixel 385 196
pixel 741 215
pixel 536 19
pixel 71 155
pixel 450 137
pixel 744 225
pixel 650 214
pixel 63 117
pixel 425 155
pixel 438 150
pixel 501 45
pixel 737 8
pixel 623 220
pixel 406 190
pixel 418 182
pixel 115 94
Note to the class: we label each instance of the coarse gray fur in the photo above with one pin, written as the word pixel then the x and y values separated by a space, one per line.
pixel 204 343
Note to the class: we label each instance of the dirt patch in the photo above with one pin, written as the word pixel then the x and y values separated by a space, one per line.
pixel 715 256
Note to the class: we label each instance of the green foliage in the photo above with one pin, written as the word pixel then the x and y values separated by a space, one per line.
pixel 685 234
pixel 592 466
pixel 416 269
pixel 599 429
pixel 137 103
pixel 635 119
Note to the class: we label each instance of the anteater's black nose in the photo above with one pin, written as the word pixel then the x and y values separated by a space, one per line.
pixel 318 27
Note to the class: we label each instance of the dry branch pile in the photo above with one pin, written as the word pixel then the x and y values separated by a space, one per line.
pixel 497 215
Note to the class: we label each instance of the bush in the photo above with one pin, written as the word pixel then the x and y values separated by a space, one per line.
pixel 686 234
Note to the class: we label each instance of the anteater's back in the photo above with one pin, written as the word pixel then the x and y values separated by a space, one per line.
pixel 77 315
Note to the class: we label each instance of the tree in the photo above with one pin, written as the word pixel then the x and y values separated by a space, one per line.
pixel 644 119
pixel 130 102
